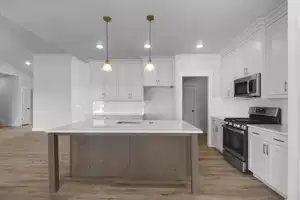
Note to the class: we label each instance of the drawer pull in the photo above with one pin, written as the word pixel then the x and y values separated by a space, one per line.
pixel 278 140
pixel 254 133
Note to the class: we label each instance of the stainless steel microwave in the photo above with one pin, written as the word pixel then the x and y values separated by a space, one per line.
pixel 249 86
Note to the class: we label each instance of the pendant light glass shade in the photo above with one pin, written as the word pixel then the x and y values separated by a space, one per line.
pixel 149 65
pixel 107 66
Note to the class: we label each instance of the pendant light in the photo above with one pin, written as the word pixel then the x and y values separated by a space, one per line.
pixel 149 66
pixel 107 66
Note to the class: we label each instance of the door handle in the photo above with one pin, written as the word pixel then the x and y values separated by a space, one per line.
pixel 285 86
pixel 267 149
pixel 264 148
pixel 193 110
pixel 278 140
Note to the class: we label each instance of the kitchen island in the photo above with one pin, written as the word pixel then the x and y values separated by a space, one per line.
pixel 160 150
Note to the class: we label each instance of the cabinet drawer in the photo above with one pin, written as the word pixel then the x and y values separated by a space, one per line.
pixel 280 140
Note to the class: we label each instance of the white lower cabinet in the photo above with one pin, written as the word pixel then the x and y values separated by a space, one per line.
pixel 279 167
pixel 217 134
pixel 268 159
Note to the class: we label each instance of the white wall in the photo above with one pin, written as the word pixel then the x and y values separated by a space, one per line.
pixel 81 101
pixel 52 91
pixel 294 99
pixel 191 66
pixel 159 103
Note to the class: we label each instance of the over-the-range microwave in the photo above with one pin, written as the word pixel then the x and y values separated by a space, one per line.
pixel 249 86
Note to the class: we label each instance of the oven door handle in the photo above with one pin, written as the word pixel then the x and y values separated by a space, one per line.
pixel 234 129
pixel 248 87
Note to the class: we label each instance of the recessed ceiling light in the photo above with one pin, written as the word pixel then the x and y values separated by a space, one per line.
pixel 99 45
pixel 27 63
pixel 199 44
pixel 147 45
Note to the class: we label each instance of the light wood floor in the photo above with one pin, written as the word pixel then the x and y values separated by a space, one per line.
pixel 23 176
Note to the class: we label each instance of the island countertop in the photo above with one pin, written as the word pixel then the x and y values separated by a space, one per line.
pixel 100 127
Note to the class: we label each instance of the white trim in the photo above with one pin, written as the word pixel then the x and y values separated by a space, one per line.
pixel 38 130
pixel 258 25
pixel 209 98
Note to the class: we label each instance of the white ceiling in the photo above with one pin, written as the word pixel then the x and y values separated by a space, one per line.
pixel 17 45
pixel 76 25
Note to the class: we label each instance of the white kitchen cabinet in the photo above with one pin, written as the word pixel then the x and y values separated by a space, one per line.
pixel 217 134
pixel 257 153
pixel 104 84
pixel 279 166
pixel 163 74
pixel 130 81
pixel 268 158
pixel 216 82
pixel 123 83
pixel 227 76
pixel 277 58
pixel 111 92
pixel 214 133
pixel 252 54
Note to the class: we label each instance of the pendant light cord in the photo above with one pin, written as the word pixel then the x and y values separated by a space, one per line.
pixel 106 41
pixel 150 40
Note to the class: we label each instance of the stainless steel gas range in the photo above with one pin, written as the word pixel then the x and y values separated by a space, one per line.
pixel 235 134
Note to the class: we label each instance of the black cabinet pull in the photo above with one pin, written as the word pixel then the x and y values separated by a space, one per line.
pixel 278 140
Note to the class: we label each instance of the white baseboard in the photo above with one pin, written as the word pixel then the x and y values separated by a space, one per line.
pixel 38 129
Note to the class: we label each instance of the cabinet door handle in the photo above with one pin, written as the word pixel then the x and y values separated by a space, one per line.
pixel 254 133
pixel 264 148
pixel 267 149
pixel 285 86
pixel 278 140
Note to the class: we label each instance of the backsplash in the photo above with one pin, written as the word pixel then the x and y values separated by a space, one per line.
pixel 158 103
pixel 101 107
pixel 239 107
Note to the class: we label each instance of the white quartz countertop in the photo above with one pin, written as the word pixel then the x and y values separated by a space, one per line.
pixel 219 117
pixel 118 114
pixel 280 129
pixel 109 127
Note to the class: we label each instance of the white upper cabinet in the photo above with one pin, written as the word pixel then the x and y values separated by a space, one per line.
pixel 227 76
pixel 216 83
pixel 98 81
pixel 124 82
pixel 277 58
pixel 163 74
pixel 252 53
pixel 130 81
pixel 111 79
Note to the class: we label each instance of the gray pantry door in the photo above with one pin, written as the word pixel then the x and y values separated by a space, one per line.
pixel 188 103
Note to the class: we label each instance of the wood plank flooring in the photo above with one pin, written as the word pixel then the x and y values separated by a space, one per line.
pixel 24 176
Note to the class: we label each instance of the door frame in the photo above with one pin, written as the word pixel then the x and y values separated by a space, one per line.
pixel 209 87
pixel 195 91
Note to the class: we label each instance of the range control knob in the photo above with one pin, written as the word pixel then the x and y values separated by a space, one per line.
pixel 239 126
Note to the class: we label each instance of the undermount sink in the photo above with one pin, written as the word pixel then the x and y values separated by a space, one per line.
pixel 128 122
pixel 132 122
